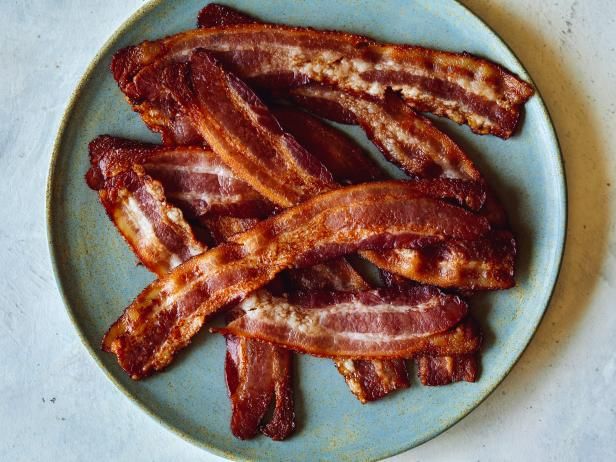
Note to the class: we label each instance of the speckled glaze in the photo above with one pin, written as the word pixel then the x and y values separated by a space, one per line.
pixel 98 275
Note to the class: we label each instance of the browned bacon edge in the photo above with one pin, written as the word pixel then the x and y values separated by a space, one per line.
pixel 217 15
pixel 442 370
pixel 165 316
pixel 375 324
pixel 437 370
pixel 485 264
pixel 485 96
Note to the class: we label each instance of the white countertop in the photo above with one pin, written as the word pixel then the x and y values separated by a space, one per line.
pixel 558 403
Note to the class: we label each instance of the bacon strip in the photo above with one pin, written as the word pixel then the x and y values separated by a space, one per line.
pixel 269 154
pixel 194 178
pixel 346 161
pixel 406 138
pixel 164 317
pixel 243 132
pixel 154 229
pixel 364 325
pixel 257 374
pixel 371 380
pixel 485 264
pixel 442 370
pixel 462 87
pixel 222 194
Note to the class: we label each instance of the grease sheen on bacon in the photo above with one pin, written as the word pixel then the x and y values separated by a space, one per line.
pixel 165 316
pixel 462 87
pixel 380 323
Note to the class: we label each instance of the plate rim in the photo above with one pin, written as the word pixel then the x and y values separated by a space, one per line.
pixel 75 95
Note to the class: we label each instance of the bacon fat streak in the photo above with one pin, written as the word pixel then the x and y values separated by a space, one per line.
pixel 258 150
pixel 175 166
pixel 381 323
pixel 172 309
pixel 462 87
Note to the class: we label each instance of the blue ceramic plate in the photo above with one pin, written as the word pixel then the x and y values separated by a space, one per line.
pixel 98 277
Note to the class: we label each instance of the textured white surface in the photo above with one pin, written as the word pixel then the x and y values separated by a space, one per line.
pixel 557 404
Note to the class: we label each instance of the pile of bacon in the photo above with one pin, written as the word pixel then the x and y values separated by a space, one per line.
pixel 252 206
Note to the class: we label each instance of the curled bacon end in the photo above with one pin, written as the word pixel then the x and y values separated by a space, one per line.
pixel 257 375
pixel 376 324
pixel 372 380
pixel 442 370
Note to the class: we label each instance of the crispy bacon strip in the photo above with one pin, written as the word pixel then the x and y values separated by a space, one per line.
pixel 487 263
pixel 258 373
pixel 462 87
pixel 197 181
pixel 243 132
pixel 164 317
pixel 406 138
pixel 154 229
pixel 194 178
pixel 442 370
pixel 363 325
pixel 268 157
